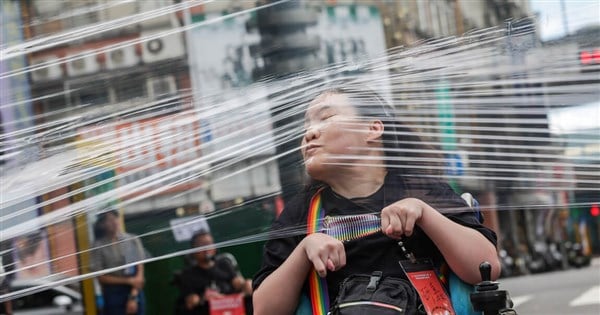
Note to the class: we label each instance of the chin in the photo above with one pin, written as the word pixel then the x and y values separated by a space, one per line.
pixel 315 171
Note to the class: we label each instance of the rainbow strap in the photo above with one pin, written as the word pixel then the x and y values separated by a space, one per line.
pixel 343 228
pixel 317 286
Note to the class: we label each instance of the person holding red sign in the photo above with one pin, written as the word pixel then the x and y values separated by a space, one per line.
pixel 211 278
pixel 356 154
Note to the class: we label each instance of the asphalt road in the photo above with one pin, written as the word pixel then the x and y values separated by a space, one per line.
pixel 574 291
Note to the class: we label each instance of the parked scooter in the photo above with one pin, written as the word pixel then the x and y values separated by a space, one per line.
pixel 536 261
pixel 515 260
pixel 555 257
pixel 507 263
pixel 575 255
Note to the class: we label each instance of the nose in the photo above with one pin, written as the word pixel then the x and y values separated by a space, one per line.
pixel 311 133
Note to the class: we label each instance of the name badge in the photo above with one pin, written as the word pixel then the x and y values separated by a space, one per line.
pixel 424 279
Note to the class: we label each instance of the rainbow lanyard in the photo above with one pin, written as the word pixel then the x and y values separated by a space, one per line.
pixel 343 228
pixel 317 286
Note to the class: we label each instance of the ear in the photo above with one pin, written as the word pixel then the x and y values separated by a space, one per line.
pixel 375 130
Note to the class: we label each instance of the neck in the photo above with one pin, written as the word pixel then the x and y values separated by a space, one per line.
pixel 113 236
pixel 358 181
pixel 206 264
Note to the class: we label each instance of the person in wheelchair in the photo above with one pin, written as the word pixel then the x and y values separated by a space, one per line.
pixel 210 275
pixel 358 157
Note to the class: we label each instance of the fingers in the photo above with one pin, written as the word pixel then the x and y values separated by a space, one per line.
pixel 333 261
pixel 396 225
pixel 342 257
pixel 394 228
pixel 325 253
pixel 385 221
pixel 401 217
pixel 337 258
pixel 409 224
pixel 330 265
pixel 327 259
pixel 319 265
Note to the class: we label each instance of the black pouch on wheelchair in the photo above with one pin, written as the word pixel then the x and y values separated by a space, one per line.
pixel 374 294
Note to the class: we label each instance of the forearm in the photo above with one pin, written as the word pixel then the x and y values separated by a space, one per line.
pixel 140 272
pixel 285 283
pixel 238 283
pixel 463 248
pixel 192 300
pixel 8 307
pixel 115 280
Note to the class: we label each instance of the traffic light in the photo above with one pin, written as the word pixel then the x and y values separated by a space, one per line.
pixel 595 210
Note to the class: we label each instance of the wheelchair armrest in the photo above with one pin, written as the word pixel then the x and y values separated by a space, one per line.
pixel 472 202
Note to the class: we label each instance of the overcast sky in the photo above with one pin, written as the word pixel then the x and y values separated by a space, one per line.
pixel 569 119
pixel 579 13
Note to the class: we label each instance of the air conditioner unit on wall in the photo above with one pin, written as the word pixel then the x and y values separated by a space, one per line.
pixel 118 9
pixel 162 48
pixel 48 8
pixel 161 87
pixel 83 63
pixel 52 71
pixel 121 10
pixel 122 58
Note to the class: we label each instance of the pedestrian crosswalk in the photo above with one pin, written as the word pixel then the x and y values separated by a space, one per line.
pixel 589 297
pixel 572 291
pixel 521 299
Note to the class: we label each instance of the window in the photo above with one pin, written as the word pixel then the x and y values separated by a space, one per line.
pixel 130 89
pixel 90 95
pixel 161 87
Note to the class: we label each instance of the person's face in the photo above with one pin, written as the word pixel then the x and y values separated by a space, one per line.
pixel 332 130
pixel 204 240
pixel 111 224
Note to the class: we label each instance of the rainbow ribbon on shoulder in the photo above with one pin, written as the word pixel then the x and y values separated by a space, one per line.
pixel 343 228
pixel 317 286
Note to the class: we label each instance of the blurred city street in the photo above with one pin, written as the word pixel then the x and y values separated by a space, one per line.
pixel 153 153
pixel 575 291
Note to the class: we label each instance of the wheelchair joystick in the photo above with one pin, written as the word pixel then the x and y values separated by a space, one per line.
pixel 487 298
pixel 486 284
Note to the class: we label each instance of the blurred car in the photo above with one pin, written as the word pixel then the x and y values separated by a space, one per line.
pixel 55 300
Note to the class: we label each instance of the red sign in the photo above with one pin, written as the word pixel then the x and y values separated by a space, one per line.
pixel 589 57
pixel 232 304
pixel 170 141
pixel 148 147
pixel 433 296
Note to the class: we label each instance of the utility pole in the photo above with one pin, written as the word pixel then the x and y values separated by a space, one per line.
pixel 563 8
pixel 460 27
pixel 286 48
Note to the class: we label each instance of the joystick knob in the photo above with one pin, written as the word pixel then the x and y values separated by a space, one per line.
pixel 487 298
pixel 485 270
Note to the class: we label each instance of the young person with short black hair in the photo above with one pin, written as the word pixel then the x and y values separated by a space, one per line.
pixel 208 276
pixel 353 150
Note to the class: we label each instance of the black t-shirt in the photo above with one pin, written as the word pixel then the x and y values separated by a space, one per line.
pixel 195 280
pixel 376 252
